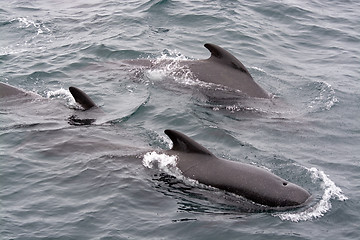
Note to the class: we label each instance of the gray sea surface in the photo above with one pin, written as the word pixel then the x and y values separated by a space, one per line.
pixel 72 174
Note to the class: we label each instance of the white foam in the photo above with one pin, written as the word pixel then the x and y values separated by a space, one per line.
pixel 65 94
pixel 171 68
pixel 57 93
pixel 331 191
pixel 168 64
pixel 162 161
pixel 259 69
pixel 29 23
pixel 236 108
pixel 165 163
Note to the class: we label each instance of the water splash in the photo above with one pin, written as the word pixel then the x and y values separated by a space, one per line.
pixel 331 191
pixel 64 94
pixel 162 161
pixel 170 64
pixel 167 164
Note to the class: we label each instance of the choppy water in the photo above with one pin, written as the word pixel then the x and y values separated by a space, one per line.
pixel 66 181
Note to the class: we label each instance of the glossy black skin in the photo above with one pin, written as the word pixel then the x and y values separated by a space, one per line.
pixel 82 98
pixel 251 182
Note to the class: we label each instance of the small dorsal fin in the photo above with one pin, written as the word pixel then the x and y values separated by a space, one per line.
pixel 183 143
pixel 82 98
pixel 221 55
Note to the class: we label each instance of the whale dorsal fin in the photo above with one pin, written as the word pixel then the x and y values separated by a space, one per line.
pixel 220 55
pixel 82 98
pixel 183 143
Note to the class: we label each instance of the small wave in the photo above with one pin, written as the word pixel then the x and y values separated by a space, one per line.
pixel 9 50
pixel 331 191
pixel 259 69
pixel 326 97
pixel 238 108
pixel 26 23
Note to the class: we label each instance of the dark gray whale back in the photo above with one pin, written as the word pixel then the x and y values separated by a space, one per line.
pixel 253 183
pixel 10 91
pixel 224 69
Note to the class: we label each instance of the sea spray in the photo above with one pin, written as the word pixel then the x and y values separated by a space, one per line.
pixel 170 64
pixel 167 164
pixel 65 94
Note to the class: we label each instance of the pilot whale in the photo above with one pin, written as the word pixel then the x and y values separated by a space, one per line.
pixel 221 68
pixel 13 96
pixel 251 182
pixel 8 91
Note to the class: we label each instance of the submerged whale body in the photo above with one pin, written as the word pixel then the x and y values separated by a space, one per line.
pixel 11 96
pixel 222 68
pixel 8 91
pixel 253 183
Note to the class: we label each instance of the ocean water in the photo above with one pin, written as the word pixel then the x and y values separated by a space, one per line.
pixel 65 178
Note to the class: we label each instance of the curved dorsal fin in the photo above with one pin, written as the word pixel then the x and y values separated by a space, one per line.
pixel 82 98
pixel 183 143
pixel 221 55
